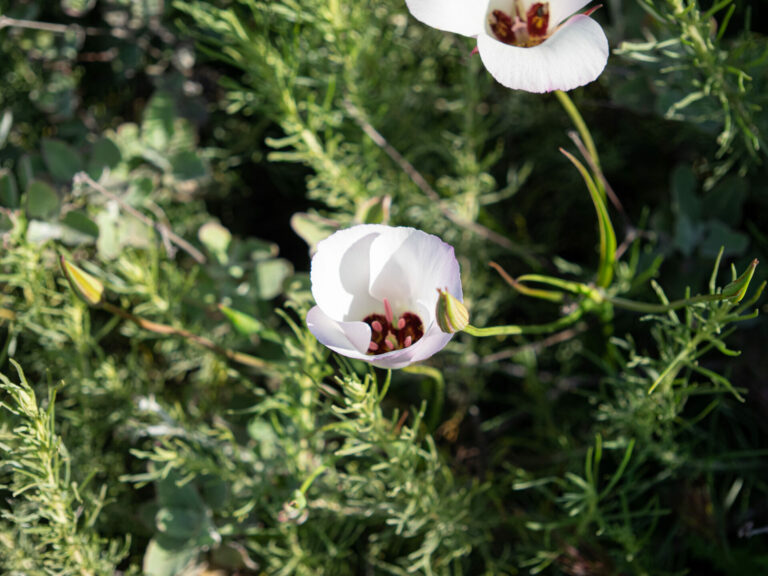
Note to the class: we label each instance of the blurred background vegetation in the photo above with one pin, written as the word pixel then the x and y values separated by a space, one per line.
pixel 190 154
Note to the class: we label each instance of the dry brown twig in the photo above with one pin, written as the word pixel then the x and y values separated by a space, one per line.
pixel 425 187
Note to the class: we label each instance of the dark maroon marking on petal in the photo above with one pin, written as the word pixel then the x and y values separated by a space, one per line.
pixel 411 332
pixel 501 26
pixel 380 329
pixel 538 19
pixel 386 337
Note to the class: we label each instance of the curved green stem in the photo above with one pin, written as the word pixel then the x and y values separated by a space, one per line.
pixel 437 376
pixel 514 330
pixel 581 126
pixel 646 307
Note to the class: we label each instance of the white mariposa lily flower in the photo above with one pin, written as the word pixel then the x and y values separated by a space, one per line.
pixel 376 289
pixel 525 44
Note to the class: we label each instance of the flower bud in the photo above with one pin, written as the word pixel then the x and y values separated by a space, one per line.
pixel 737 289
pixel 88 288
pixel 451 315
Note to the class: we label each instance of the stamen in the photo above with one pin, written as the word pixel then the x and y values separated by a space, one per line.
pixel 388 311
pixel 387 335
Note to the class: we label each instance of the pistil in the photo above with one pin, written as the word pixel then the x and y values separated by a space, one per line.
pixel 388 311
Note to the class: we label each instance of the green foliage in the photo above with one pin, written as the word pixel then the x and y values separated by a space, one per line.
pixel 706 80
pixel 50 528
pixel 191 422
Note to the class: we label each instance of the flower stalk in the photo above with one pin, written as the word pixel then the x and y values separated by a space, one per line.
pixel 578 122
pixel 733 292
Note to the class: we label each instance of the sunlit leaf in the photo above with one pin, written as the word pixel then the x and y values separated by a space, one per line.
pixel 168 557
pixel 216 239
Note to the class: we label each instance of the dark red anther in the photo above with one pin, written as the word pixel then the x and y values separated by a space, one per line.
pixel 537 19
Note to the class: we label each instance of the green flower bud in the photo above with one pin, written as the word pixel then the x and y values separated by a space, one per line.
pixel 451 315
pixel 87 287
pixel 737 289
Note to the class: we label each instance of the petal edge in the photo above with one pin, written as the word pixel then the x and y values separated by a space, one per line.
pixel 463 17
pixel 574 56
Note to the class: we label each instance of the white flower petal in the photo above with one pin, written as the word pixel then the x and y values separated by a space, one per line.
pixel 351 339
pixel 340 273
pixel 559 10
pixel 355 270
pixel 408 266
pixel 432 342
pixel 396 359
pixel 347 338
pixel 460 16
pixel 575 55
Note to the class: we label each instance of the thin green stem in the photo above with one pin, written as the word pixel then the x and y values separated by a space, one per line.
pixel 515 330
pixel 661 308
pixel 437 377
pixel 645 307
pixel 581 126
pixel 493 331
pixel 312 477
pixel 674 366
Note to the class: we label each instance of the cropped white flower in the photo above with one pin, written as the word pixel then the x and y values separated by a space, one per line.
pixel 525 44
pixel 376 289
